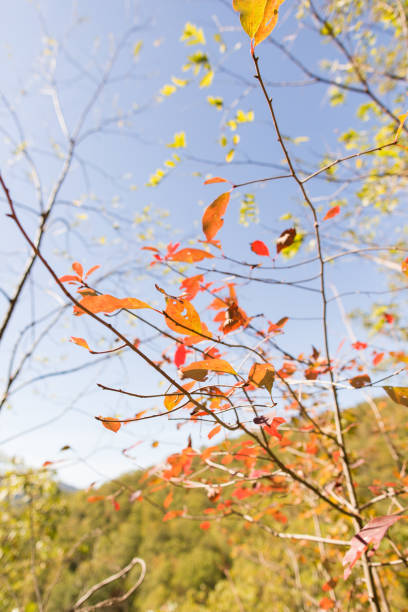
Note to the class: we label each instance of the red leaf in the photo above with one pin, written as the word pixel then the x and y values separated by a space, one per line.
pixel 78 269
pixel 370 534
pixel 212 218
pixel 205 525
pixel 106 422
pixel 191 286
pixel 329 585
pixel 180 355
pixel 259 248
pixel 272 428
pixel 47 463
pixel 116 504
pixel 214 432
pixel 285 239
pixel 359 346
pixel 332 212
pixel 215 179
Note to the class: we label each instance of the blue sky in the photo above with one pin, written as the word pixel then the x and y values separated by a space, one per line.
pixel 105 191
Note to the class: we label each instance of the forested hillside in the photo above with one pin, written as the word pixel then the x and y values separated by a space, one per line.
pixel 197 564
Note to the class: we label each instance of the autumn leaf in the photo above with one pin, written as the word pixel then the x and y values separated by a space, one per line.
pixel 95 498
pixel 171 401
pixel 80 342
pixel 205 525
pixel 107 303
pixel 332 212
pixel 212 218
pixel 286 239
pixel 259 248
pixel 272 427
pixel 168 499
pixel 359 346
pixel 402 119
pixel 191 286
pixel 215 179
pixel 189 255
pixel 360 381
pixel 214 431
pixel 370 535
pixel 199 369
pixel 326 604
pixel 78 269
pixel 182 317
pixel 398 394
pixel 262 375
pixel 110 423
pixel 258 17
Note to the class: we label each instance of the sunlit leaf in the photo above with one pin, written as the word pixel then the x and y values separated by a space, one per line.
pixel 78 269
pixel 212 218
pixel 259 248
pixel 360 381
pixel 171 401
pixel 80 342
pixel 107 303
pixel 199 369
pixel 190 255
pixel 214 431
pixel 182 317
pixel 215 179
pixel 110 423
pixel 286 239
pixel 262 375
pixel 332 212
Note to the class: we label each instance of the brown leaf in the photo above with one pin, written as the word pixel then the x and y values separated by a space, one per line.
pixel 360 381
pixel 398 394
pixel 285 239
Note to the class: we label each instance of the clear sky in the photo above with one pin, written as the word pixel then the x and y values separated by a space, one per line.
pixel 53 61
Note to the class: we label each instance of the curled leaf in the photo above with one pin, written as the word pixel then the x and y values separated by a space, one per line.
pixel 171 401
pixel 262 375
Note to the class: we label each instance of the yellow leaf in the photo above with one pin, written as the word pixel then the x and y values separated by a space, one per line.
pixel 230 155
pixel 207 79
pixel 251 14
pixel 137 48
pixel 199 369
pixel 179 141
pixel 167 90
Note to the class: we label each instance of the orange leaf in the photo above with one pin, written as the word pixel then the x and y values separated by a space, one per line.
pixel 326 604
pixel 69 277
pixel 401 125
pixel 205 525
pixel 262 375
pixel 214 431
pixel 399 395
pixel 199 369
pixel 189 255
pixel 212 218
pixel 171 401
pixel 80 342
pixel 259 248
pixel 95 498
pixel 182 317
pixel 113 426
pixel 332 212
pixel 191 286
pixel 78 269
pixel 91 270
pixel 168 499
pixel 107 303
pixel 269 21
pixel 215 179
